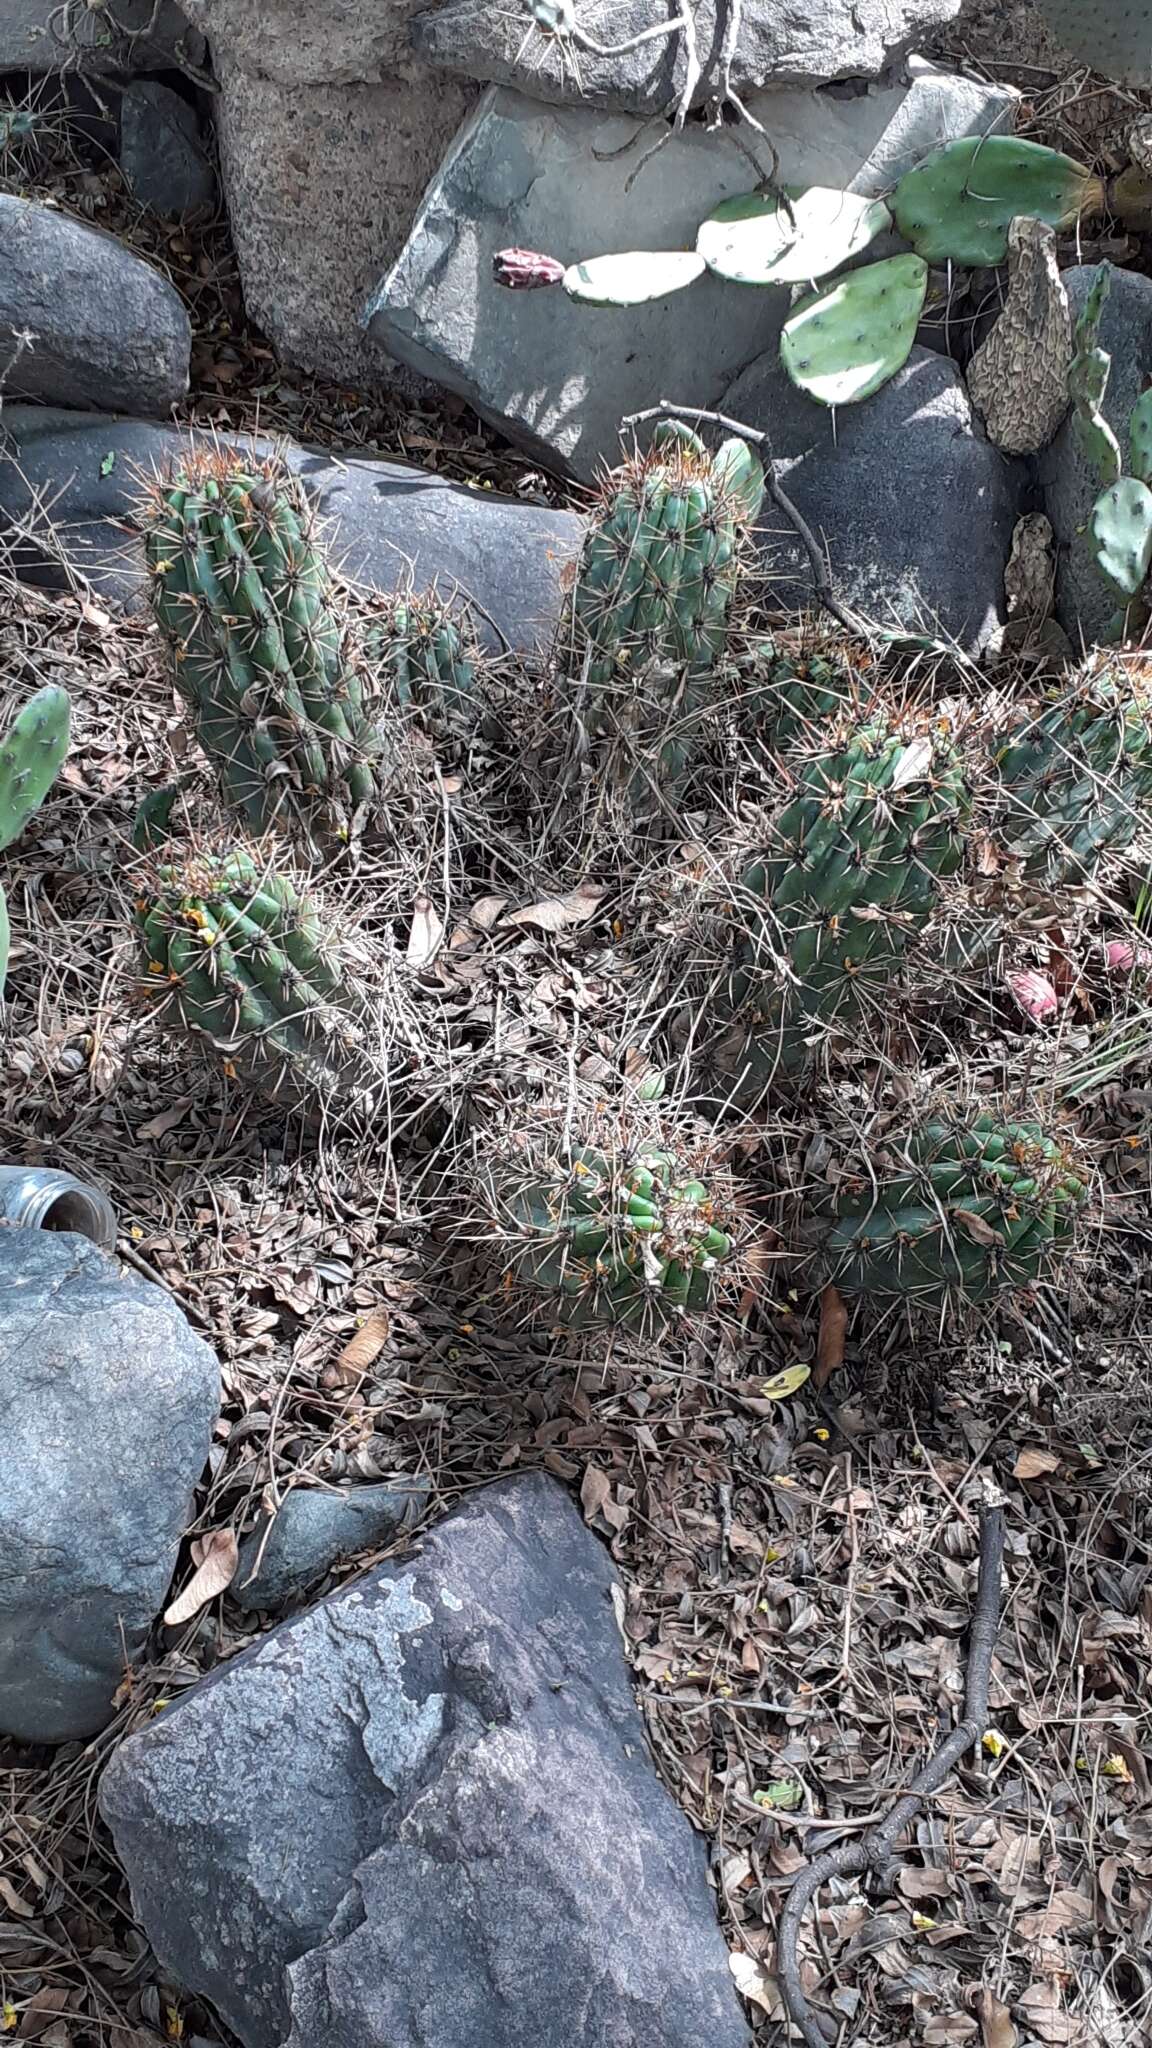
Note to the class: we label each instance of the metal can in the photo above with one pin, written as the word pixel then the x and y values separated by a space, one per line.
pixel 46 1198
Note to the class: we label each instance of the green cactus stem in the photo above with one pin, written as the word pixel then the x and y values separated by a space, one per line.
pixel 848 878
pixel 1074 783
pixel 625 1239
pixel 32 752
pixel 956 206
pixel 841 344
pixel 241 959
pixel 246 601
pixel 948 1212
pixel 425 655
pixel 793 696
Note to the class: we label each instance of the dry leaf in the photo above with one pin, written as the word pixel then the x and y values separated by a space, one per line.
pixel 361 1351
pixel 426 933
pixel 556 913
pixel 14 1902
pixel 159 1126
pixel 1035 1464
pixel 215 1557
pixel 913 764
pixel 830 1342
pixel 1070 1912
pixel 977 1227
pixel 41 2010
pixel 754 1983
pixel 996 2024
pixel 595 1493
pixel 486 911
pixel 1043 2010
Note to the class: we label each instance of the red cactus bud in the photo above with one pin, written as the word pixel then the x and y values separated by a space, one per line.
pixel 1122 956
pixel 525 270
pixel 1034 993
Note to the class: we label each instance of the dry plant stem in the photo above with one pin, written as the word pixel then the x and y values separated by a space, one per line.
pixel 821 581
pixel 873 1850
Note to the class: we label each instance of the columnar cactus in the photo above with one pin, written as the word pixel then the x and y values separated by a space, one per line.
pixel 32 752
pixel 425 656
pixel 948 1211
pixel 1074 782
pixel 244 596
pixel 794 695
pixel 624 1237
pixel 847 879
pixel 241 958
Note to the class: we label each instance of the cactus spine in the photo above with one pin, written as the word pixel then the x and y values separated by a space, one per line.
pixel 241 958
pixel 428 664
pixel 245 599
pixel 953 1211
pixel 32 752
pixel 847 879
pixel 1073 782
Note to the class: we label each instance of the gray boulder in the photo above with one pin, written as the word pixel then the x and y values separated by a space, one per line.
pixel 328 42
pixel 913 506
pixel 387 522
pixel 559 377
pixel 162 157
pixel 312 1531
pixel 107 1402
pixel 133 35
pixel 82 320
pixel 827 39
pixel 422 1815
pixel 1085 601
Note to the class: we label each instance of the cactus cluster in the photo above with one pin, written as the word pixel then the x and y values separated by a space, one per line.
pixel 246 601
pixel 423 655
pixel 845 340
pixel 32 752
pixel 240 957
pixel 1072 784
pixel 625 1236
pixel 950 1209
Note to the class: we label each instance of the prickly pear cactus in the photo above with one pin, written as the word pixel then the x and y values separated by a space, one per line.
pixel 32 752
pixel 848 878
pixel 425 655
pixel 1113 36
pixel 1074 782
pixel 244 597
pixel 649 615
pixel 950 1211
pixel 841 344
pixel 241 959
pixel 956 206
pixel 757 239
pixel 627 1237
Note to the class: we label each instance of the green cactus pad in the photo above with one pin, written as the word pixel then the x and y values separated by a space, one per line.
pixel 843 343
pixel 1075 782
pixel 240 957
pixel 1097 444
pixel 957 205
pixel 1140 438
pixel 245 598
pixel 633 277
pixel 1113 36
pixel 755 240
pixel 1086 333
pixel 32 753
pixel 950 1212
pixel 619 1240
pixel 1121 530
pixel 738 471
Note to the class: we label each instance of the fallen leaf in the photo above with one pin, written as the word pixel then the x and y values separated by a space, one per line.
pixel 913 764
pixel 41 2010
pixel 1035 1464
pixel 556 913
pixel 215 1557
pixel 754 1983
pixel 361 1351
pixel 1069 1912
pixel 14 1902
pixel 996 2023
pixel 486 910
pixel 426 933
pixel 159 1126
pixel 784 1795
pixel 830 1342
pixel 977 1227
pixel 1044 2012
pixel 783 1384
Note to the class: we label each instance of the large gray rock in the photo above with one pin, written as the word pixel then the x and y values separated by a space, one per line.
pixel 559 377
pixel 322 182
pixel 422 1815
pixel 132 35
pixel 777 45
pixel 327 42
pixel 388 523
pixel 315 1530
pixel 107 1402
pixel 82 320
pixel 1085 601
pixel 913 507
pixel 162 156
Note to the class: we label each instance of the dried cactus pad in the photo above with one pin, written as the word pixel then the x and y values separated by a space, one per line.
pixel 755 239
pixel 951 1211
pixel 1113 36
pixel 956 206
pixel 841 344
